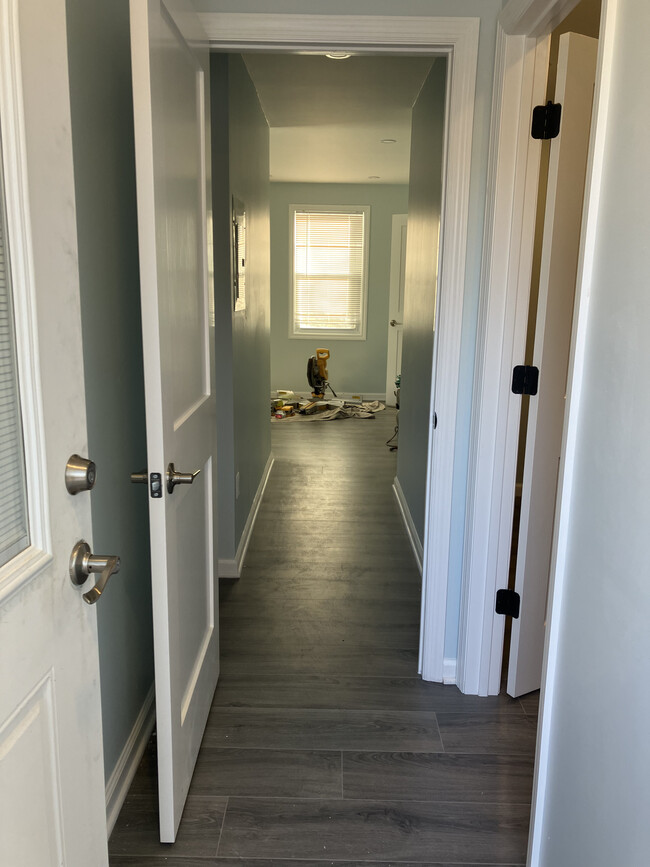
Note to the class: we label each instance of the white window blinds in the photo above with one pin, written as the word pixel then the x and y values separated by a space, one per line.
pixel 329 271
pixel 14 531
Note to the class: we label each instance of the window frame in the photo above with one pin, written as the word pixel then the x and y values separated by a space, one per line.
pixel 331 333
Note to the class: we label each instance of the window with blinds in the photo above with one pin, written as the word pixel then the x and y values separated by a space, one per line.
pixel 14 527
pixel 330 271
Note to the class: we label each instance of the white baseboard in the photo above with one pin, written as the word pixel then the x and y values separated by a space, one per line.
pixel 408 522
pixel 448 670
pixel 120 780
pixel 232 568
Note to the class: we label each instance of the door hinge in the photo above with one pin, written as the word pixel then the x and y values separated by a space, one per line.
pixel 508 602
pixel 546 120
pixel 525 379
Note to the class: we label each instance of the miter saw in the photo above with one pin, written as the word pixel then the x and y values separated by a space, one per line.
pixel 317 374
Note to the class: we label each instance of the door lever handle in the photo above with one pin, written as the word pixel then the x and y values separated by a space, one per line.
pixel 83 562
pixel 175 478
pixel 394 322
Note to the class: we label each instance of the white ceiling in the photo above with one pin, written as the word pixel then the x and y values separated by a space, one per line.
pixel 327 117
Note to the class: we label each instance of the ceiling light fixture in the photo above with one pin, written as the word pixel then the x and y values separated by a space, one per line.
pixel 338 55
pixel 389 141
pixel 374 177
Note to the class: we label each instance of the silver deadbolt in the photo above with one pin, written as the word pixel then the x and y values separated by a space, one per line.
pixel 83 562
pixel 80 474
pixel 175 478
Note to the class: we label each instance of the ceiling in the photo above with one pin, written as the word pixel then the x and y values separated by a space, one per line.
pixel 327 117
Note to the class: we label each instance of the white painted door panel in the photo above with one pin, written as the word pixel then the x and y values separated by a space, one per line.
pixel 396 304
pixel 560 247
pixel 171 99
pixel 52 801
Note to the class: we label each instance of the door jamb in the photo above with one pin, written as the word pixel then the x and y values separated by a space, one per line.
pixel 455 38
pixel 520 83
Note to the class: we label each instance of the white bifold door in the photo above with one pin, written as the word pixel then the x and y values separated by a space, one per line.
pixel 171 105
pixel 559 263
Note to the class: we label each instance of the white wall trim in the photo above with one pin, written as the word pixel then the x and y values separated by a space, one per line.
pixel 449 670
pixel 521 72
pixel 457 39
pixel 559 554
pixel 118 783
pixel 232 568
pixel 409 525
pixel 534 17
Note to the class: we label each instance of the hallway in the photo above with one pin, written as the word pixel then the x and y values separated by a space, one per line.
pixel 323 745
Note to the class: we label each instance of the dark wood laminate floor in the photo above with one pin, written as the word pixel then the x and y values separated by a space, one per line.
pixel 323 745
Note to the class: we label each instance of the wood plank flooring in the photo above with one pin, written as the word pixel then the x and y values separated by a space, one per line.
pixel 323 745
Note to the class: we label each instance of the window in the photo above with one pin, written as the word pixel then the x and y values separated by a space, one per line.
pixel 329 250
pixel 14 528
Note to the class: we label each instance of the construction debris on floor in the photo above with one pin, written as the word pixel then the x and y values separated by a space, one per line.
pixel 287 406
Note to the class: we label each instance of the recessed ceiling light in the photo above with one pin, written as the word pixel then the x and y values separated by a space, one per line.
pixel 338 55
pixel 374 177
pixel 389 141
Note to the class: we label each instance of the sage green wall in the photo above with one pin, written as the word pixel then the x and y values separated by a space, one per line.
pixel 355 365
pixel 240 162
pixel 420 290
pixel 102 131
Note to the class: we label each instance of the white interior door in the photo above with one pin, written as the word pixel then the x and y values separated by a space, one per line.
pixel 396 304
pixel 559 263
pixel 52 801
pixel 171 104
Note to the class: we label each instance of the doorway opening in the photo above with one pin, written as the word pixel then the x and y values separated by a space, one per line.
pixel 341 150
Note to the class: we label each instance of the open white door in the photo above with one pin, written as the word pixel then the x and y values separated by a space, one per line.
pixel 559 263
pixel 52 801
pixel 171 105
pixel 396 304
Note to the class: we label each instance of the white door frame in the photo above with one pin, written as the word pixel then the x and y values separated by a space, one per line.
pixel 523 42
pixel 520 83
pixel 457 39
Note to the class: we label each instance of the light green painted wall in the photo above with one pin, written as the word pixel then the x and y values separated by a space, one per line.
pixel 355 365
pixel 241 169
pixel 420 291
pixel 102 129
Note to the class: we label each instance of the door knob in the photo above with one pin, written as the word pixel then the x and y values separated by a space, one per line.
pixel 82 563
pixel 175 478
pixel 394 322
pixel 80 474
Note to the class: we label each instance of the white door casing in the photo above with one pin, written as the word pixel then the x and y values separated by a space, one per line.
pixel 396 304
pixel 457 39
pixel 52 808
pixel 171 104
pixel 559 263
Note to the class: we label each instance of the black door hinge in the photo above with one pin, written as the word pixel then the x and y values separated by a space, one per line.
pixel 525 379
pixel 508 602
pixel 546 120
